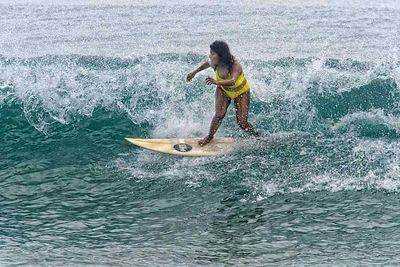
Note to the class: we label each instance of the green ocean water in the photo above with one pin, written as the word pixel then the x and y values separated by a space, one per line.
pixel 319 188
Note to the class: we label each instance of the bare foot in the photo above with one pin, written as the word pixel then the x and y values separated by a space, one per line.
pixel 205 141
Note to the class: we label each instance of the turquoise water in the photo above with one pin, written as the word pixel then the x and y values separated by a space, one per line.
pixel 320 188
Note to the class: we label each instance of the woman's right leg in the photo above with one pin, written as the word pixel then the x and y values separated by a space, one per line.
pixel 222 102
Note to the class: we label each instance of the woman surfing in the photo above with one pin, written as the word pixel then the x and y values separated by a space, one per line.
pixel 231 85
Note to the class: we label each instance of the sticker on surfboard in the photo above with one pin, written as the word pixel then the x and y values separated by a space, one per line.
pixel 182 147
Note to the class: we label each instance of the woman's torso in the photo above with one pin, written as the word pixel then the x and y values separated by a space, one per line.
pixel 222 73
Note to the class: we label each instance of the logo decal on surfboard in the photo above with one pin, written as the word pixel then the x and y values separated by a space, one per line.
pixel 182 147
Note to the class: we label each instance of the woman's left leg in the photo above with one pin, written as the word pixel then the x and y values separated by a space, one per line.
pixel 242 104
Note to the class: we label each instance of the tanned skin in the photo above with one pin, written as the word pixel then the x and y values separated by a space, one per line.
pixel 222 101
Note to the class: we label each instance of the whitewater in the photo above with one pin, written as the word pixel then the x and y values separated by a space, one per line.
pixel 321 187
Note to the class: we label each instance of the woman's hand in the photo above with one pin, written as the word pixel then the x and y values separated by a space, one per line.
pixel 190 76
pixel 210 80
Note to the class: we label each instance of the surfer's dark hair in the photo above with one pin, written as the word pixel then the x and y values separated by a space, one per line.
pixel 223 51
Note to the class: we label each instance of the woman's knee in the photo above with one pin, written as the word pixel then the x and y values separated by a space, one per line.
pixel 219 116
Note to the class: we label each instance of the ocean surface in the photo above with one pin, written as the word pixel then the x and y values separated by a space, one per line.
pixel 321 187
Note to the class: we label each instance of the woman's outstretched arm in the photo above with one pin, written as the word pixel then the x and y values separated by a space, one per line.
pixel 203 66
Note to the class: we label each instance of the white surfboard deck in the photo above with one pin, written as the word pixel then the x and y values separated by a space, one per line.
pixel 187 146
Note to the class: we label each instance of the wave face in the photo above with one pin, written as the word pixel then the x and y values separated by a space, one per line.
pixel 322 180
pixel 311 95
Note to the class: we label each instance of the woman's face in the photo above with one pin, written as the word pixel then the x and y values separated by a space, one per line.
pixel 214 57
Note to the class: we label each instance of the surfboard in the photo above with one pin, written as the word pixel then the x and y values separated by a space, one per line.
pixel 186 146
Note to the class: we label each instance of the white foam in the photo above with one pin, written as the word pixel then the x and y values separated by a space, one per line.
pixel 373 116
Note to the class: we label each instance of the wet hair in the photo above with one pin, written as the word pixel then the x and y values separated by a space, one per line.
pixel 223 51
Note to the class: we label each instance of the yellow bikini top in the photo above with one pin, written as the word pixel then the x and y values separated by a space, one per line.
pixel 238 82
